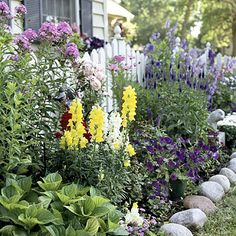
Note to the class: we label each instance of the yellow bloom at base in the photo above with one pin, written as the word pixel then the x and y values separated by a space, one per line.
pixel 130 150
pixel 74 138
pixel 96 125
pixel 129 105
pixel 135 205
pixel 126 163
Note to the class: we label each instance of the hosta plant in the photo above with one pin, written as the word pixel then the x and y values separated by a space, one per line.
pixel 53 208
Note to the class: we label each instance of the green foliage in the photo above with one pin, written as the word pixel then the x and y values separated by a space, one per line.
pixel 55 210
pixel 178 113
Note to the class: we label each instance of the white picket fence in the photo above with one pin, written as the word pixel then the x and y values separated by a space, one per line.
pixel 134 59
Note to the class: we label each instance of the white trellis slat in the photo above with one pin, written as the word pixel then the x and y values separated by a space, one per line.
pixel 94 56
pixel 114 45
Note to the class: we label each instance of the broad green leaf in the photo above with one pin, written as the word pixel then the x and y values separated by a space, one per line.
pixel 70 231
pixel 11 193
pixel 51 182
pixel 87 206
pixel 55 230
pixel 58 220
pixel 100 211
pixel 45 201
pixel 82 233
pixel 25 183
pixel 92 226
pixel 119 231
pixel 7 230
pixel 99 201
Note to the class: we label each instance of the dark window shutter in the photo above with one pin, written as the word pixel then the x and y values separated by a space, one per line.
pixel 86 17
pixel 33 18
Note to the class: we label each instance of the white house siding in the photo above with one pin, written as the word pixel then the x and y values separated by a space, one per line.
pixel 100 19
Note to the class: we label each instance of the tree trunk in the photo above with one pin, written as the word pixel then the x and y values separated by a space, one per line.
pixel 234 36
pixel 186 18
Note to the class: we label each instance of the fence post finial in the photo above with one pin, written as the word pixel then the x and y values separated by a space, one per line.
pixel 208 45
pixel 117 32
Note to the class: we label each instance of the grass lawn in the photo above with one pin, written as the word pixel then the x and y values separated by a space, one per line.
pixel 223 222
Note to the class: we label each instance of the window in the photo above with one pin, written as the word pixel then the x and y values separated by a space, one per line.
pixel 58 10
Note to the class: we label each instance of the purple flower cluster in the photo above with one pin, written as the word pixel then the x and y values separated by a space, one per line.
pixel 54 33
pixel 30 34
pixel 20 9
pixel 93 43
pixel 23 43
pixel 5 13
pixel 71 51
pixel 136 230
pixel 169 157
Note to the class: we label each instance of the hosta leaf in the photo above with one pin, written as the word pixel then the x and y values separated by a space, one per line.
pixel 92 226
pixel 55 230
pixel 100 211
pixel 70 231
pixel 51 182
pixel 119 231
pixel 87 206
pixel 58 220
pixel 99 201
pixel 7 230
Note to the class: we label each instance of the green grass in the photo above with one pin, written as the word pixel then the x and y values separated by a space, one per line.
pixel 223 222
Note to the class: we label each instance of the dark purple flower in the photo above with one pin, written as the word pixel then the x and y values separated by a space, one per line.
pixel 48 32
pixel 166 140
pixel 72 51
pixel 150 166
pixel 171 164
pixel 149 48
pixel 30 34
pixel 213 148
pixel 64 29
pixel 21 9
pixel 151 149
pixel 180 155
pixel 215 155
pixel 173 177
pixel 160 160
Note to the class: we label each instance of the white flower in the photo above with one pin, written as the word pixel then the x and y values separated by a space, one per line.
pixel 100 75
pixel 95 83
pixel 88 68
pixel 229 120
pixel 134 217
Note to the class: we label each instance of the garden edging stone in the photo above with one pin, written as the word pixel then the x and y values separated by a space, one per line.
pixel 233 155
pixel 222 180
pixel 201 202
pixel 212 190
pixel 173 229
pixel 232 167
pixel 191 218
pixel 229 174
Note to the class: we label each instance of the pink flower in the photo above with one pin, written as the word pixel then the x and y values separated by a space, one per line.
pixel 88 68
pixel 126 67
pixel 21 9
pixel 64 29
pixel 30 34
pixel 113 67
pixel 119 58
pixel 72 51
pixel 23 43
pixel 48 32
pixel 4 11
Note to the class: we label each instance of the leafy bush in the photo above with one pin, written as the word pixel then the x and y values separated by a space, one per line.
pixel 55 209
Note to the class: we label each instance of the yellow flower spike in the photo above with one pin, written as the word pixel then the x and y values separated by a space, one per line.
pixel 130 150
pixel 74 138
pixel 96 125
pixel 129 105
pixel 126 163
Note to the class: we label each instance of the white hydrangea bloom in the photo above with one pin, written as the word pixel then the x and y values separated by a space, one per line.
pixel 134 217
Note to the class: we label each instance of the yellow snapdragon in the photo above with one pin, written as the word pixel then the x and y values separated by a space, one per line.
pixel 130 150
pixel 129 105
pixel 74 138
pixel 96 124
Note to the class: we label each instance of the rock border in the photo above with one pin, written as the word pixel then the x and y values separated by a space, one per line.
pixel 185 222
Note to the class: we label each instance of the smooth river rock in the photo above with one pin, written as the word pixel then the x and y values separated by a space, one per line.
pixel 233 155
pixel 232 161
pixel 229 174
pixel 172 229
pixel 212 190
pixel 201 202
pixel 232 167
pixel 192 218
pixel 222 180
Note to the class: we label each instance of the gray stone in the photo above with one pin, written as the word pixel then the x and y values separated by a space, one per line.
pixel 222 180
pixel 214 117
pixel 233 155
pixel 191 218
pixel 229 174
pixel 232 167
pixel 172 229
pixel 212 190
pixel 232 161
pixel 201 202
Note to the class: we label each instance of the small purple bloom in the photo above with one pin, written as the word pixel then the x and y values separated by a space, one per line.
pixel 30 34
pixel 21 9
pixel 64 29
pixel 171 164
pixel 213 148
pixel 160 160
pixel 14 57
pixel 72 51
pixel 151 149
pixel 119 58
pixel 150 166
pixel 4 11
pixel 48 32
pixel 173 177
pixel 23 43
pixel 155 36
pixel 149 48
pixel 113 67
